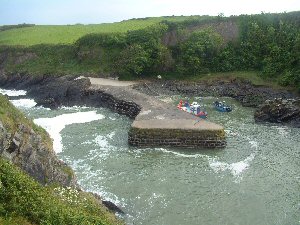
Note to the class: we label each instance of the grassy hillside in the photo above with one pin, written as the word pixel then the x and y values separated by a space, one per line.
pixel 174 47
pixel 68 34
pixel 24 201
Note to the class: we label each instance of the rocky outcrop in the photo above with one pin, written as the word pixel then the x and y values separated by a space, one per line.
pixel 27 149
pixel 243 91
pixel 279 111
pixel 49 91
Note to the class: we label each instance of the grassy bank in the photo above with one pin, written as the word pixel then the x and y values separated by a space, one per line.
pixel 24 201
pixel 68 34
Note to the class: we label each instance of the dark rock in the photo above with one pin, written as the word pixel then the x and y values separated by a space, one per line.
pixel 47 103
pixel 49 91
pixel 279 110
pixel 108 204
pixel 54 91
pixel 112 207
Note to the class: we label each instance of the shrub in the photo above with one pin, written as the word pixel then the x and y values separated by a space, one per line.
pixel 199 51
pixel 108 40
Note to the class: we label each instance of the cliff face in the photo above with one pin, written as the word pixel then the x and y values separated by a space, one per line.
pixel 31 150
pixel 29 147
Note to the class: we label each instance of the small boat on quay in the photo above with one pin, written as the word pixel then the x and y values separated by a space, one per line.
pixel 222 107
pixel 193 108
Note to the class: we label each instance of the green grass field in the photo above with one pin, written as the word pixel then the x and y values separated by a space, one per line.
pixel 68 34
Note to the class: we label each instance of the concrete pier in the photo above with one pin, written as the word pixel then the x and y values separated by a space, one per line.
pixel 157 123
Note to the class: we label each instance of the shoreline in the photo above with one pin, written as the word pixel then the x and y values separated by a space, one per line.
pixel 52 92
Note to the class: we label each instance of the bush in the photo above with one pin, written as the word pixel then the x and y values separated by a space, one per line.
pixel 108 40
pixel 132 61
pixel 199 50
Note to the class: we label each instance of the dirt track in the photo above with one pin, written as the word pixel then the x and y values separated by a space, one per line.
pixel 110 82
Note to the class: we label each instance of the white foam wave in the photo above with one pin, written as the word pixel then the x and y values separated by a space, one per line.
pixel 42 108
pixel 12 92
pixel 101 141
pixel 56 124
pixel 182 154
pixel 236 169
pixel 23 103
pixel 77 108
pixel 104 148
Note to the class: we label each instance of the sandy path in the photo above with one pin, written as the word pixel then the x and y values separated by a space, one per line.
pixel 109 82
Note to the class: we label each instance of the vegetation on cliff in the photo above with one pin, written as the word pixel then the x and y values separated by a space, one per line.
pixel 171 47
pixel 11 118
pixel 24 201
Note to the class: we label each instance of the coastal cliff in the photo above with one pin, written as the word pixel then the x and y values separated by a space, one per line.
pixel 35 186
pixel 30 148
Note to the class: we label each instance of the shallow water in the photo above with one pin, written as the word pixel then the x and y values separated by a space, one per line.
pixel 254 180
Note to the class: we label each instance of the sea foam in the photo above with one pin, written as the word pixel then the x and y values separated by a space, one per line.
pixel 12 92
pixel 23 103
pixel 236 169
pixel 56 124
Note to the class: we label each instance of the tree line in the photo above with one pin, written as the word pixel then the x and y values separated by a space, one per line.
pixel 269 43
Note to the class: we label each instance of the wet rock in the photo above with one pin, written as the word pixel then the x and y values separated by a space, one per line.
pixel 112 207
pixel 108 204
pixel 279 110
pixel 47 103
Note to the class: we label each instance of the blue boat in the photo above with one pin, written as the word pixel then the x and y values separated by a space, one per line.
pixel 221 107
